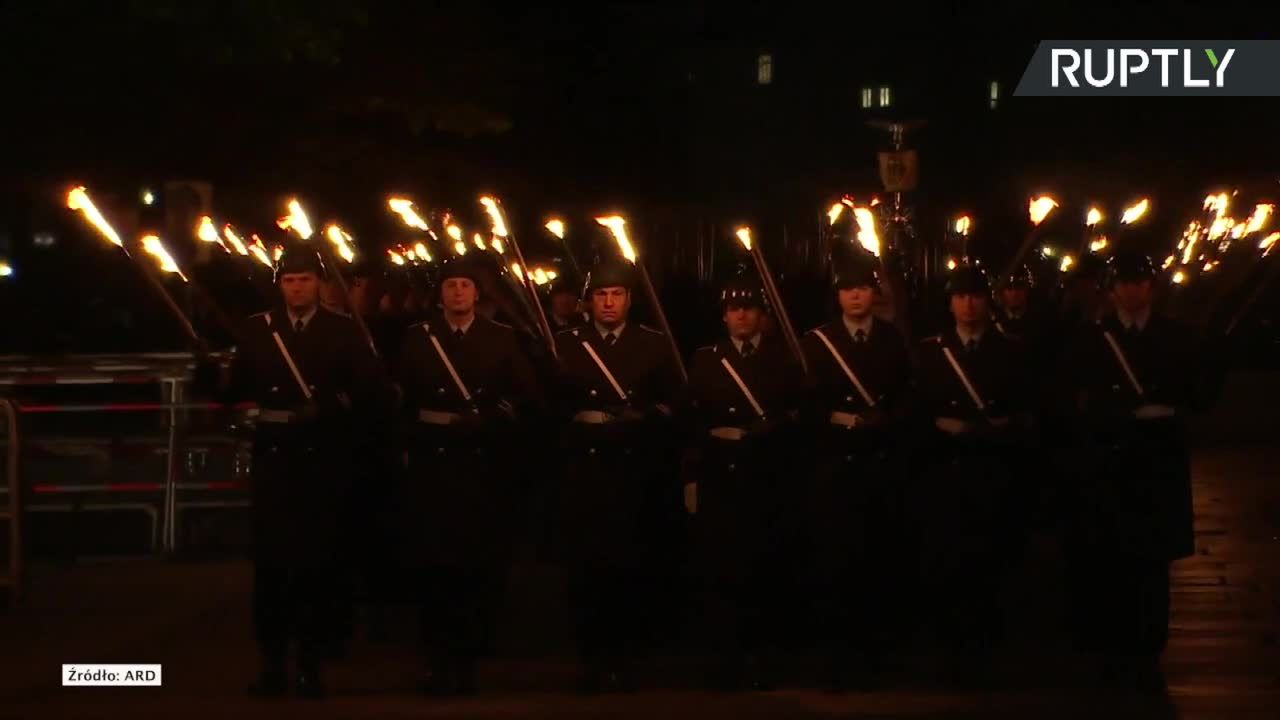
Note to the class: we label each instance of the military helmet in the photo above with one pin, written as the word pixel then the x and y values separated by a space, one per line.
pixel 612 272
pixel 299 258
pixel 1129 266
pixel 968 279
pixel 742 290
pixel 1021 277
pixel 854 269
pixel 456 266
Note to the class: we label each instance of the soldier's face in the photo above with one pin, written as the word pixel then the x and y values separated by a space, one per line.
pixel 969 308
pixel 459 295
pixel 331 295
pixel 743 322
pixel 609 305
pixel 1015 298
pixel 1132 296
pixel 362 295
pixel 301 291
pixel 856 302
pixel 564 304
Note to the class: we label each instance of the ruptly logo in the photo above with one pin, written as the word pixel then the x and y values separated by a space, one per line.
pixel 1177 68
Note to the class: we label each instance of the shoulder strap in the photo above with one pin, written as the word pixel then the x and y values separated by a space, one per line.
pixel 848 371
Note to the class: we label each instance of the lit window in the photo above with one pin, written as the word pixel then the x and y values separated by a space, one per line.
pixel 764 69
pixel 886 98
pixel 148 197
pixel 994 95
pixel 866 98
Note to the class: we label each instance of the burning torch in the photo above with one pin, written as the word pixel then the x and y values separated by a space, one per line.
pixel 775 298
pixel 502 234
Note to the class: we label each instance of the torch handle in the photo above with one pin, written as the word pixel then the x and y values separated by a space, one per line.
pixel 187 328
pixel 219 315
pixel 775 299
pixel 331 261
pixel 543 324
pixel 662 321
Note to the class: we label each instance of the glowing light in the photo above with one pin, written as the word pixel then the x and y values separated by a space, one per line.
pixel 411 255
pixel 496 244
pixel 1098 245
pixel 1048 251
pixel 479 241
pixel 236 242
pixel 495 216
pixel 540 276
pixel 1040 207
pixel 1134 212
pixel 556 227
pixel 1067 262
pixel 152 246
pixel 277 252
pixel 962 225
pixel 835 212
pixel 148 198
pixel 421 250
pixel 404 208
pixel 341 242
pixel 206 232
pixel 744 237
pixel 296 220
pixel 618 227
pixel 867 236
pixel 259 252
pixel 396 258
pixel 1268 242
pixel 1217 203
pixel 1258 220
pixel 78 199
pixel 1179 277
pixel 454 232
pixel 6 270
pixel 1168 262
pixel 1094 217
pixel 951 263
pixel 460 248
pixel 515 269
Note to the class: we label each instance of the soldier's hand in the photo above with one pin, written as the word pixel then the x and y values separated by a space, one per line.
pixel 952 426
pixel 691 498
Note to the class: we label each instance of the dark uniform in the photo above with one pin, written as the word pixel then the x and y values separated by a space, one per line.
pixel 1132 512
pixel 301 467
pixel 459 497
pixel 615 448
pixel 853 516
pixel 966 487
pixel 739 464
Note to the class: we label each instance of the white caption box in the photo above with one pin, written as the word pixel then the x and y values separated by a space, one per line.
pixel 90 675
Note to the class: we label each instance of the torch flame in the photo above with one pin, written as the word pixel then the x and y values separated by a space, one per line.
pixel 1169 261
pixel 1217 203
pixel 1220 227
pixel 1067 262
pixel 962 225
pixel 618 227
pixel 5 268
pixel 1134 212
pixel 454 232
pixel 744 236
pixel 951 263
pixel 1269 241
pixel 515 269
pixel 496 244
pixel 235 240
pixel 1048 251
pixel 421 250
pixel 259 252
pixel 540 276
pixel 495 216
pixel 1258 220
pixel 867 230
pixel 479 241
pixel 556 226
pixel 404 208
pixel 153 247
pixel 208 233
pixel 835 212
pixel 411 255
pixel 341 242
pixel 1098 245
pixel 296 220
pixel 460 248
pixel 1094 217
pixel 277 252
pixel 78 199
pixel 1040 207
pixel 1179 278
pixel 396 258
pixel 1238 230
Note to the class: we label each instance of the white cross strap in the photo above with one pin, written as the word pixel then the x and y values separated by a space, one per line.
pixel 964 379
pixel 605 369
pixel 742 386
pixel 448 364
pixel 1124 361
pixel 288 360
pixel 848 371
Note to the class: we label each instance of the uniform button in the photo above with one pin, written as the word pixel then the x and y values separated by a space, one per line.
pixel 275 389
pixel 440 391
pixel 593 393
pixel 848 398
pixel 591 451
pixel 733 410
pixel 732 467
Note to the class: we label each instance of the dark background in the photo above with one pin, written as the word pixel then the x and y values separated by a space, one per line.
pixel 654 109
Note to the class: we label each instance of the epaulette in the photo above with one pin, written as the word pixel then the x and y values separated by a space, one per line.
pixel 266 316
pixel 933 339
pixel 569 331
pixel 646 328
pixel 501 324
pixel 712 348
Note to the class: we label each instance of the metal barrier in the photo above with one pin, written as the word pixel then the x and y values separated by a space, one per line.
pixel 162 501
pixel 12 513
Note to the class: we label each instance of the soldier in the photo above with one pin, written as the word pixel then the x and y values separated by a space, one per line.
pixel 855 400
pixel 618 383
pixel 739 401
pixel 311 373
pixel 563 313
pixel 971 391
pixel 1133 381
pixel 465 382
pixel 1021 315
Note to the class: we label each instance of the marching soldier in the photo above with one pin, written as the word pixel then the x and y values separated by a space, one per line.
pixel 465 384
pixel 855 400
pixel 740 400
pixel 311 374
pixel 618 383
pixel 971 391
pixel 1021 315
pixel 1133 382
pixel 563 312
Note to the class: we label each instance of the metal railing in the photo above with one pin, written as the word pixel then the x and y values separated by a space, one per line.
pixel 12 576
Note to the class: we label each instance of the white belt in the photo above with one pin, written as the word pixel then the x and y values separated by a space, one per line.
pixel 436 417
pixel 593 417
pixel 277 416
pixel 728 433
pixel 848 420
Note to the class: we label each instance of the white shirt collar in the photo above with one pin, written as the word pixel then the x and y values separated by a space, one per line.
pixel 305 318
pixel 617 332
pixel 965 336
pixel 1128 321
pixel 464 327
pixel 755 342
pixel 853 327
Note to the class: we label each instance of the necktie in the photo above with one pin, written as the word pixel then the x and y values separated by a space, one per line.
pixel 860 336
pixel 459 334
pixel 609 339
pixel 298 326
pixel 969 346
pixel 748 349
